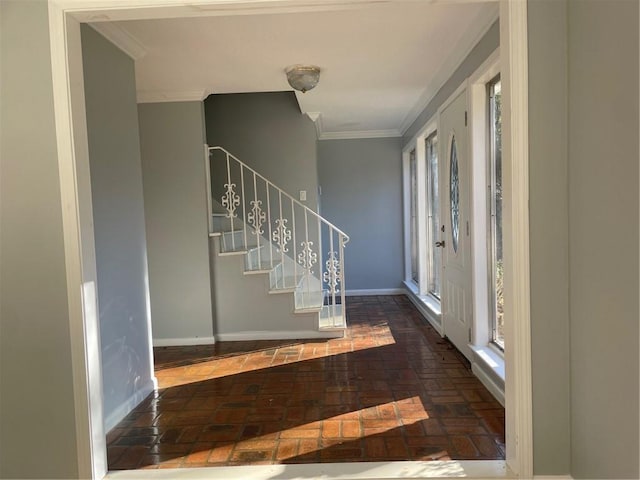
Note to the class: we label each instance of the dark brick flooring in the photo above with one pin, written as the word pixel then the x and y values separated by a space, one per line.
pixel 392 389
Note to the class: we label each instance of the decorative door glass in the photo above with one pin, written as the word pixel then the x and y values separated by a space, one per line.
pixel 454 195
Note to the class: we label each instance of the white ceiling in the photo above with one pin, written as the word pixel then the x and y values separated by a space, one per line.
pixel 380 63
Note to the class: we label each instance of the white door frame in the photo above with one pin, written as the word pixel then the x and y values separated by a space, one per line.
pixel 75 190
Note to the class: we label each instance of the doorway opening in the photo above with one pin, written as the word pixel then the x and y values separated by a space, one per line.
pixel 65 19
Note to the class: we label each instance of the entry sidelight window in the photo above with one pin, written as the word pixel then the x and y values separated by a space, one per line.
pixel 413 179
pixel 496 264
pixel 434 253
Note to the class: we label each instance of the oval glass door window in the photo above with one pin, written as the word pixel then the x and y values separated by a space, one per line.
pixel 454 194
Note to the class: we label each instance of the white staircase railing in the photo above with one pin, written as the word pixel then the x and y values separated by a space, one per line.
pixel 279 235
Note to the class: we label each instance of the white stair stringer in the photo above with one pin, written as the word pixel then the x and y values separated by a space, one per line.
pixel 247 308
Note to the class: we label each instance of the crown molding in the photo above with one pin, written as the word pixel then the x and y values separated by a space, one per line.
pixel 179 96
pixel 449 67
pixel 316 118
pixel 121 38
pixel 353 134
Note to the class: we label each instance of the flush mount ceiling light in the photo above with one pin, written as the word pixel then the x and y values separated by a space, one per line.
pixel 303 77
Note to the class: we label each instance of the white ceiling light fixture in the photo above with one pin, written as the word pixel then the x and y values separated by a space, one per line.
pixel 303 77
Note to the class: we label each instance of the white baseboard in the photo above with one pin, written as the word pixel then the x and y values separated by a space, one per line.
pixel 424 310
pixel 282 335
pixel 488 382
pixel 129 404
pixel 180 342
pixel 552 477
pixel 372 292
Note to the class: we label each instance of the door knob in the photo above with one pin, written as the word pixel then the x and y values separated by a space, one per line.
pixel 440 244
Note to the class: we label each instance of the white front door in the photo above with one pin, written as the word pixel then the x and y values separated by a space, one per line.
pixel 455 193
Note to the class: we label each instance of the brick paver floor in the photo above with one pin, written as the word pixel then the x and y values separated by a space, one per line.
pixel 392 389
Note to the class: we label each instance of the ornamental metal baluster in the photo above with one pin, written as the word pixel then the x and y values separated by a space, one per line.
pixel 342 240
pixel 332 276
pixel 256 217
pixel 332 288
pixel 282 235
pixel 244 207
pixel 308 271
pixel 295 254
pixel 266 186
pixel 307 258
pixel 230 201
pixel 320 247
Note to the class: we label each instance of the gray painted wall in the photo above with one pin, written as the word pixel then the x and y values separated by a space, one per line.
pixel 549 234
pixel 603 237
pixel 36 390
pixel 267 132
pixel 361 184
pixel 485 47
pixel 118 213
pixel 175 204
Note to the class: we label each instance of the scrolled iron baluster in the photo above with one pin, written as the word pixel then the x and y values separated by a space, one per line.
pixel 333 275
pixel 281 234
pixel 230 200
pixel 256 217
pixel 307 258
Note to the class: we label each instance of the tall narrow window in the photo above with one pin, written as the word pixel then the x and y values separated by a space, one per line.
pixel 495 209
pixel 434 254
pixel 413 174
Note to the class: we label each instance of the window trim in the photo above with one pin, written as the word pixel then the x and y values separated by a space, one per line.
pixel 491 237
pixel 479 151
pixel 414 229
pixel 431 236
pixel 417 143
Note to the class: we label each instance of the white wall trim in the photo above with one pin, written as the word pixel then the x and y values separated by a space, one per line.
pixel 515 154
pixel 316 118
pixel 375 291
pixel 406 212
pixel 488 382
pixel 129 404
pixel 451 98
pixel 79 242
pixel 417 144
pixel 447 70
pixel 432 317
pixel 75 190
pixel 183 342
pixel 121 38
pixel 359 134
pixel 477 97
pixel 552 477
pixel 177 96
pixel 427 129
pixel 275 335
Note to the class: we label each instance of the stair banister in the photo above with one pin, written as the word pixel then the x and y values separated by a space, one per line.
pixel 302 205
pixel 281 233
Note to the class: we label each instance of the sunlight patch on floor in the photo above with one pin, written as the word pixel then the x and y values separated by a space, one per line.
pixel 250 361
